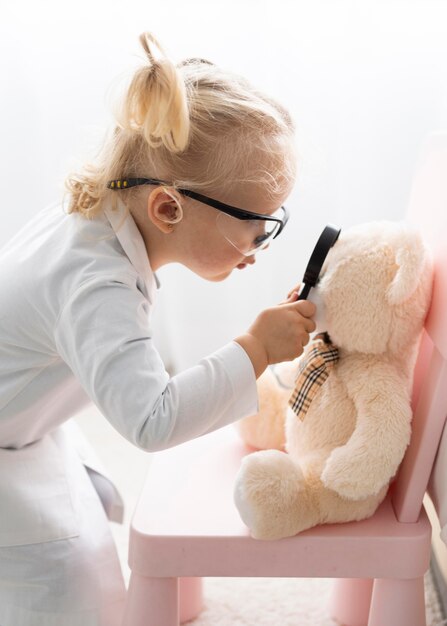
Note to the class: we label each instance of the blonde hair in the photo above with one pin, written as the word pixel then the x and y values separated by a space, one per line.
pixel 193 125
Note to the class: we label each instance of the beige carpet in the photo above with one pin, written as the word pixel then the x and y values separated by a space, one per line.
pixel 229 601
pixel 280 602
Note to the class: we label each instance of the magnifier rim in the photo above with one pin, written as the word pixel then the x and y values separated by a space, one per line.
pixel 325 242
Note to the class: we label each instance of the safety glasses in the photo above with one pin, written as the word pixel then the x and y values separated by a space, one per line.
pixel 247 231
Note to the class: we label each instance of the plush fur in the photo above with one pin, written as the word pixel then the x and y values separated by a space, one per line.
pixel 336 464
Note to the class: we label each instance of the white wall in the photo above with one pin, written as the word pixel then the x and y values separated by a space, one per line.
pixel 364 80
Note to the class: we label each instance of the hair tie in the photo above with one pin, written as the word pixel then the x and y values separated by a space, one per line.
pixel 193 61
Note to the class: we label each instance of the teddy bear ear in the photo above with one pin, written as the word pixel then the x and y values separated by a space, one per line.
pixel 411 257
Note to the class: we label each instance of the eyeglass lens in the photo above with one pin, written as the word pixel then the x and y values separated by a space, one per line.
pixel 248 236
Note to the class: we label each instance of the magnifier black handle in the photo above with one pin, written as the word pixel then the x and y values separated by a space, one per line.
pixel 304 292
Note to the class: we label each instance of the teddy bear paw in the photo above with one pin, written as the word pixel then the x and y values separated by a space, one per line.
pixel 266 483
pixel 351 477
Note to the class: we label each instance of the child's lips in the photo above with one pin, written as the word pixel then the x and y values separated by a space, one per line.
pixel 241 266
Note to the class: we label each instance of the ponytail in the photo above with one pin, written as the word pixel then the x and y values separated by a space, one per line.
pixel 156 102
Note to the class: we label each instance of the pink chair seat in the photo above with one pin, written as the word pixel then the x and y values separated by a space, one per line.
pixel 186 524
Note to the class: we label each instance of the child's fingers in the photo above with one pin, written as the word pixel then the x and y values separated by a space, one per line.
pixel 295 289
pixel 305 307
pixel 291 297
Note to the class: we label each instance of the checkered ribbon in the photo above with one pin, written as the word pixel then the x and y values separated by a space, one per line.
pixel 320 358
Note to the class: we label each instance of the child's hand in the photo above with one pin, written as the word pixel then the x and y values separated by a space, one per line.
pixel 296 289
pixel 292 296
pixel 279 333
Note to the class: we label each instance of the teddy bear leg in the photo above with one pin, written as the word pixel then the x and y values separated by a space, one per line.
pixel 272 496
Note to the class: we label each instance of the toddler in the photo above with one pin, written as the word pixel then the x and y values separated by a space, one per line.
pixel 196 171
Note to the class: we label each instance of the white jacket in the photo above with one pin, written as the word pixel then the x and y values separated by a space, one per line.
pixel 76 297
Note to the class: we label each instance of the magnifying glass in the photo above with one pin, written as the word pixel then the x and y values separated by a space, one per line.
pixel 325 242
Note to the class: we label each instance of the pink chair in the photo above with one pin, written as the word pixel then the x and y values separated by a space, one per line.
pixel 186 526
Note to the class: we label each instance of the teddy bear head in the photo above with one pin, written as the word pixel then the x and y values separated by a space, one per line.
pixel 374 288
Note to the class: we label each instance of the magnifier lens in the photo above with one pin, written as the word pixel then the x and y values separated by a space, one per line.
pixel 325 242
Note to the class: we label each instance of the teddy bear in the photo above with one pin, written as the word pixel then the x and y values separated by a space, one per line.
pixel 333 425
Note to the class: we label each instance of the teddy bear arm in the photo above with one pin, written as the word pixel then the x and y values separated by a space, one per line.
pixel 265 429
pixel 372 455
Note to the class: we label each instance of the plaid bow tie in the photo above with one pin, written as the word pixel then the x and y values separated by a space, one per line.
pixel 314 369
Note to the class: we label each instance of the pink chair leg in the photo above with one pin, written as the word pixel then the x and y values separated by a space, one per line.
pixel 350 601
pixel 190 598
pixel 398 603
pixel 151 602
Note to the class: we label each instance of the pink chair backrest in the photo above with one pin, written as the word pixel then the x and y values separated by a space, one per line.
pixel 428 212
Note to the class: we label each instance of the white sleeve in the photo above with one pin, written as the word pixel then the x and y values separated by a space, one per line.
pixel 103 333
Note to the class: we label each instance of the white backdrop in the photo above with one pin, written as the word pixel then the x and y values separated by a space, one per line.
pixel 364 80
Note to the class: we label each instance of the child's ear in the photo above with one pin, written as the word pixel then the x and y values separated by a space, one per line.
pixel 164 209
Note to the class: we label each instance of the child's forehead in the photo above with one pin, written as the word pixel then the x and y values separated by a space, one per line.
pixel 260 200
pixel 257 198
